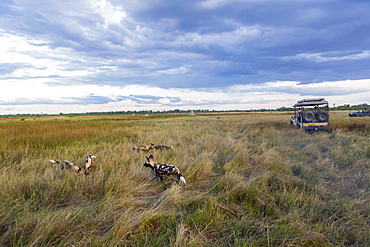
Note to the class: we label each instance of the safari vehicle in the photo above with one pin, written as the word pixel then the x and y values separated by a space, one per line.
pixel 312 115
pixel 360 113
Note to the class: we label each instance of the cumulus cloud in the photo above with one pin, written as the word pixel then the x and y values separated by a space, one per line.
pixel 94 49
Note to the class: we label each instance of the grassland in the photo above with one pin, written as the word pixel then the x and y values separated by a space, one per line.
pixel 253 180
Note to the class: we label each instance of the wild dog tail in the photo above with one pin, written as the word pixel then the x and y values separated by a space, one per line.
pixel 54 161
pixel 182 179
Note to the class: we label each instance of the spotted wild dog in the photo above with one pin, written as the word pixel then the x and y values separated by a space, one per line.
pixel 164 169
pixel 162 147
pixel 88 163
pixel 67 165
pixel 144 148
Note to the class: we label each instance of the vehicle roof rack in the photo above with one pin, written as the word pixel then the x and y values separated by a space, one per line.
pixel 311 102
pixel 308 100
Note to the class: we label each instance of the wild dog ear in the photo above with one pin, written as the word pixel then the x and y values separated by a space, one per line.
pixel 151 156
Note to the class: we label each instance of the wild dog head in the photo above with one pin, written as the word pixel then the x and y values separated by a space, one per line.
pixel 164 169
pixel 149 162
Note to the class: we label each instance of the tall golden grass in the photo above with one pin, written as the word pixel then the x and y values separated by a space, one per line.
pixel 252 180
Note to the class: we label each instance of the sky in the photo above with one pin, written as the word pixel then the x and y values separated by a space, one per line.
pixel 67 56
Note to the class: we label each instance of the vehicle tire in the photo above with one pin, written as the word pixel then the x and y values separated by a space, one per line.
pixel 308 117
pixel 322 116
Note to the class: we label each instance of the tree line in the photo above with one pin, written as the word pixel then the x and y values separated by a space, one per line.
pixel 178 111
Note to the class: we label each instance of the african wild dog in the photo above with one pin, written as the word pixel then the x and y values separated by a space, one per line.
pixel 144 148
pixel 67 165
pixel 164 169
pixel 88 163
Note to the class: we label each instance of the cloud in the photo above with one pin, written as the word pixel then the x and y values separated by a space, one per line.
pixel 64 100
pixel 265 95
pixel 111 14
pixel 331 56
pixel 151 99
pixel 88 53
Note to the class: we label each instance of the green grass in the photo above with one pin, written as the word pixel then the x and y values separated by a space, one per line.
pixel 253 180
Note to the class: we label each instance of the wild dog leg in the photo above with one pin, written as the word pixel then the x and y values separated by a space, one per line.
pixel 165 186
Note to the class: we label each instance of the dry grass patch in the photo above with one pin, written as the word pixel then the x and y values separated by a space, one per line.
pixel 252 180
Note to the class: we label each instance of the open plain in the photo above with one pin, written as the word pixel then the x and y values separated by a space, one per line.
pixel 252 180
